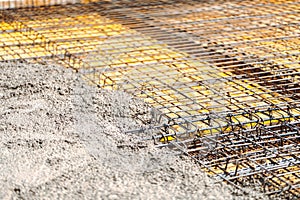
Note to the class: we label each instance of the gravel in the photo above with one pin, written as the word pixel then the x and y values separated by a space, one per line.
pixel 63 139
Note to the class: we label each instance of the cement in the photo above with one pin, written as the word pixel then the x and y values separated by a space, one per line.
pixel 63 139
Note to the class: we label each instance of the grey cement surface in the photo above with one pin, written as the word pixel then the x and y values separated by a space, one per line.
pixel 63 139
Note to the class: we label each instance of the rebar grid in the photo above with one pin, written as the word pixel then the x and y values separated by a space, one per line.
pixel 222 76
pixel 260 41
pixel 13 4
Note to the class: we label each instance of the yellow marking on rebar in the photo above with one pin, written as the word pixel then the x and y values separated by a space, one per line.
pixel 167 139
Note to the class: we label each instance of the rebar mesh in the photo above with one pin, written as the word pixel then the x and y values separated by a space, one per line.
pixel 222 76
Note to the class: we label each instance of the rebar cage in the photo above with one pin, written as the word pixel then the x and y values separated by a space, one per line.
pixel 222 76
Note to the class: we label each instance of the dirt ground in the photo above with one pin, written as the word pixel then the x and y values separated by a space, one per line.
pixel 63 139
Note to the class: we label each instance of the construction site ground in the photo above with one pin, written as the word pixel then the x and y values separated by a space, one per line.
pixel 63 139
